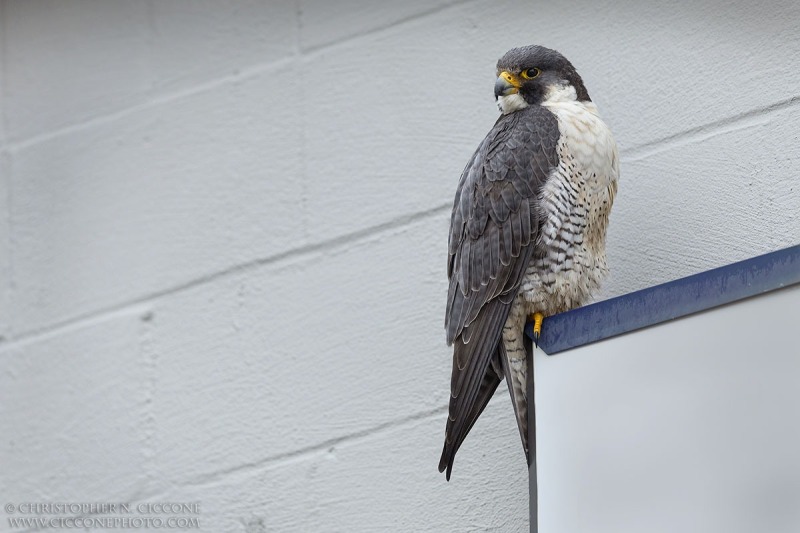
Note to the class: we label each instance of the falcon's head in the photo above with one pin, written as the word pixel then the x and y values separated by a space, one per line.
pixel 532 75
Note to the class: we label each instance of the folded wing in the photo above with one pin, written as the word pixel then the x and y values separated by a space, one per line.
pixel 493 234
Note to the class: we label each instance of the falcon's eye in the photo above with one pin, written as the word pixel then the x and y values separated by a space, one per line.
pixel 530 73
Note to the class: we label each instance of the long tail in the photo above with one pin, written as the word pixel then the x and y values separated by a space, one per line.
pixel 516 354
pixel 491 379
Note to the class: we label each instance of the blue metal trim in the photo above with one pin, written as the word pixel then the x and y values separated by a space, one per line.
pixel 670 300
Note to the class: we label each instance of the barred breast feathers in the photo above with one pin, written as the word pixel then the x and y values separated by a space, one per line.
pixel 575 204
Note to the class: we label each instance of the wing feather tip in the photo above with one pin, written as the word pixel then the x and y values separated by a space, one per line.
pixel 446 462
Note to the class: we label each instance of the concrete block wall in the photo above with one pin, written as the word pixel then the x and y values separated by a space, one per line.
pixel 223 235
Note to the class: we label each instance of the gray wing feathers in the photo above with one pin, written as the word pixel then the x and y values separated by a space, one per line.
pixel 493 231
pixel 491 379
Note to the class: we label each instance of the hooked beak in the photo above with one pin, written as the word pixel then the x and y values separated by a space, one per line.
pixel 506 84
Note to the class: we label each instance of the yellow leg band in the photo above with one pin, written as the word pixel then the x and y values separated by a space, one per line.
pixel 537 323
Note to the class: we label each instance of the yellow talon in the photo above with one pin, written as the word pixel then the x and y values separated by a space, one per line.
pixel 537 327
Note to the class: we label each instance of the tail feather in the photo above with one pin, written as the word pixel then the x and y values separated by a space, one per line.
pixel 518 400
pixel 453 441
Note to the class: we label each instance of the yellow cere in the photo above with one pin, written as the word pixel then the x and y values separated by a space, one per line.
pixel 510 78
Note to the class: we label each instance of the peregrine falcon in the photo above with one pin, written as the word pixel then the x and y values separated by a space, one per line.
pixel 527 232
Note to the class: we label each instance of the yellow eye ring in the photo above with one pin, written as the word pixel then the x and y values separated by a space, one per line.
pixel 530 73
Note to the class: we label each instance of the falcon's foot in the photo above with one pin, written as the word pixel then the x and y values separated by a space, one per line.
pixel 537 327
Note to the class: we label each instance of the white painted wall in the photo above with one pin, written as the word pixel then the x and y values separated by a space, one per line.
pixel 222 249
pixel 689 426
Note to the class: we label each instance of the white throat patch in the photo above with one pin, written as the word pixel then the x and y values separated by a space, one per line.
pixel 555 94
pixel 512 102
pixel 560 93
